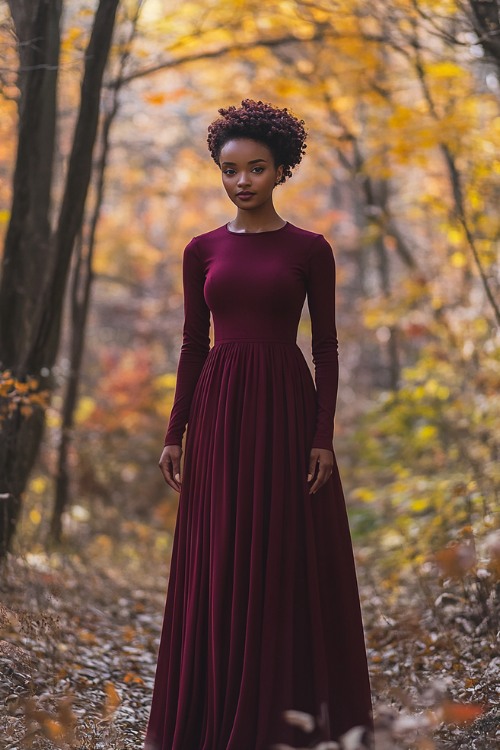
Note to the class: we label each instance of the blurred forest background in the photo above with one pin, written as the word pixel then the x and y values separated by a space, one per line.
pixel 105 176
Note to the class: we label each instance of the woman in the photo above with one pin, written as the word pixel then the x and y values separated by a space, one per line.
pixel 262 612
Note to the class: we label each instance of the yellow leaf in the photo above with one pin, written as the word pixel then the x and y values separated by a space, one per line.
pixel 458 260
pixel 364 494
pixel 445 69
pixel 420 504
pixel 481 326
pixel 39 485
pixel 427 432
pixel 166 381
pixel 35 516
pixel 86 406
pixel 432 386
pixel 455 236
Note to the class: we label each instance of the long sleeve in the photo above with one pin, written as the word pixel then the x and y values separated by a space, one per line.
pixel 321 303
pixel 195 342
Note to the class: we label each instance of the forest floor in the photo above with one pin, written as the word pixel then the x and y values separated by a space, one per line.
pixel 79 636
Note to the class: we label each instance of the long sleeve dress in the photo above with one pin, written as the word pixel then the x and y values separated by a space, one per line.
pixel 262 612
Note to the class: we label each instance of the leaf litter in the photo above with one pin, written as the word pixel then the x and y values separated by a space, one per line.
pixel 79 638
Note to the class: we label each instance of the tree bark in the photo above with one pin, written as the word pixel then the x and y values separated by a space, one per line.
pixel 27 242
pixel 36 261
pixel 28 237
pixel 46 342
pixel 82 282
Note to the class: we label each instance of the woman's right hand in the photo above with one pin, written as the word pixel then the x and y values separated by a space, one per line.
pixel 170 465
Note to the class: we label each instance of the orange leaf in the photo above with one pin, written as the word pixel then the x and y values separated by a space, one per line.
pixel 132 677
pixel 460 713
pixel 112 697
pixel 456 560
pixel 156 99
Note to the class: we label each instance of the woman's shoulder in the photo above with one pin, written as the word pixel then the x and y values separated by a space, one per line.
pixel 198 242
pixel 312 241
pixel 210 233
pixel 306 234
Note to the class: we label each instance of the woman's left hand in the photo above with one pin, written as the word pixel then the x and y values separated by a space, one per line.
pixel 324 458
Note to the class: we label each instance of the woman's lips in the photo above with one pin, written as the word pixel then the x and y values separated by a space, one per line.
pixel 245 195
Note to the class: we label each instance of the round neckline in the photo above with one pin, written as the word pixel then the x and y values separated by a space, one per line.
pixel 266 231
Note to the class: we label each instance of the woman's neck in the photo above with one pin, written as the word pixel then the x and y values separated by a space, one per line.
pixel 245 221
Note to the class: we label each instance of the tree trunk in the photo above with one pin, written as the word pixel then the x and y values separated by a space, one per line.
pixel 35 262
pixel 45 344
pixel 83 278
pixel 28 239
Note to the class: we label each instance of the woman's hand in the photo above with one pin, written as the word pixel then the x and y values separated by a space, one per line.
pixel 324 458
pixel 170 465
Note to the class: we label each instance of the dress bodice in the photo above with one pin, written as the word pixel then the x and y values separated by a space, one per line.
pixel 254 285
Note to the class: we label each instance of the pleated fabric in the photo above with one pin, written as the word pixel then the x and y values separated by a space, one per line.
pixel 262 612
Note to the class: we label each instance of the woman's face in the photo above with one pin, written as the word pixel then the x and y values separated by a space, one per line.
pixel 248 166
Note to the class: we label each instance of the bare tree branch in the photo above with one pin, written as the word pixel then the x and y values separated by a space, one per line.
pixel 455 179
pixel 320 36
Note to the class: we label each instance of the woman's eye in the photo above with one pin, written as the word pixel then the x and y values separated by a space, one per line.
pixel 231 171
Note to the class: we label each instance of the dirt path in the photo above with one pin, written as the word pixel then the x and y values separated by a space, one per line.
pixel 80 637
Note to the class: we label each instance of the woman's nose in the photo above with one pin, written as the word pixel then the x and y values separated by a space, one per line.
pixel 243 180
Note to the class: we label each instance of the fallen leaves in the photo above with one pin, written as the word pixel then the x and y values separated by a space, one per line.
pixel 79 638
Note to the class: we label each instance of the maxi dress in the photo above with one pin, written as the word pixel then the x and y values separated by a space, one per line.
pixel 262 612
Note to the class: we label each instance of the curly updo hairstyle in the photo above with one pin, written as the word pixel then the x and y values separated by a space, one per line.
pixel 279 130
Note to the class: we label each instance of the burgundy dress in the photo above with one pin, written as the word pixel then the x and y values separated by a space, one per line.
pixel 262 611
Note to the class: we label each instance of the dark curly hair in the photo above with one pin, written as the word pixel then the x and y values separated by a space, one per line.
pixel 276 128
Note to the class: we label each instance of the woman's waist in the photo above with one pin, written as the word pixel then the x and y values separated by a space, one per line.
pixel 253 340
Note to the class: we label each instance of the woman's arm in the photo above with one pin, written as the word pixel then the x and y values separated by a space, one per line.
pixel 321 303
pixel 195 342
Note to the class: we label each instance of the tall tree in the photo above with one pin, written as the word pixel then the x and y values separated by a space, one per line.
pixel 81 287
pixel 36 258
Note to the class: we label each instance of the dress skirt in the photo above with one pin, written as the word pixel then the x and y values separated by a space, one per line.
pixel 262 612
